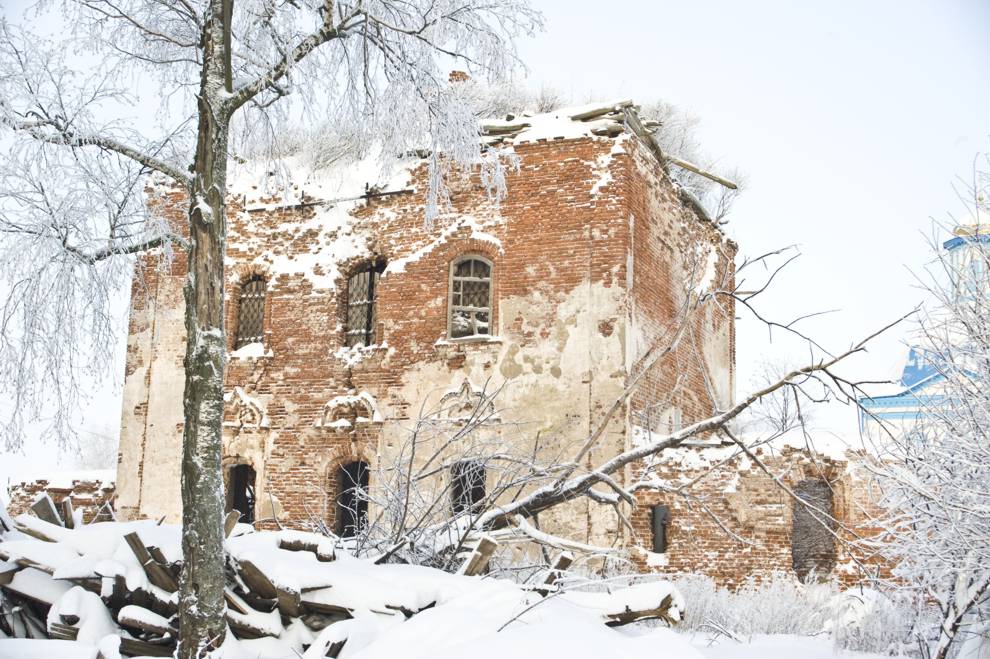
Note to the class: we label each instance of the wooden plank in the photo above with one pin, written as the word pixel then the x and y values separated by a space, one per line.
pixel 256 580
pixel 562 563
pixel 234 602
pixel 65 507
pixel 63 632
pixel 44 509
pixel 289 602
pixel 477 562
pixel 600 110
pixel 133 647
pixel 144 625
pixel 7 572
pixel 229 522
pixel 157 574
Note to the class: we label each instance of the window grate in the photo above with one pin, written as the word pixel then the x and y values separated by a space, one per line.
pixel 470 298
pixel 251 313
pixel 362 293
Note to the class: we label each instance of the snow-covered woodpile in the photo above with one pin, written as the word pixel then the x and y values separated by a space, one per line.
pixel 113 586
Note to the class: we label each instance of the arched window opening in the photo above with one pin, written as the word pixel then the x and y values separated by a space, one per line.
pixel 467 485
pixel 470 298
pixel 251 313
pixel 659 523
pixel 352 500
pixel 240 492
pixel 362 293
pixel 812 543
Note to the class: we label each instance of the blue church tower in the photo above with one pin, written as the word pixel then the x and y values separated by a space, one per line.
pixel 966 259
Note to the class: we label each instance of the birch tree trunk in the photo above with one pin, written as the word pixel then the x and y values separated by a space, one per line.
pixel 201 601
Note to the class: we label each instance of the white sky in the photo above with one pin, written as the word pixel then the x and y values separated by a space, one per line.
pixel 850 119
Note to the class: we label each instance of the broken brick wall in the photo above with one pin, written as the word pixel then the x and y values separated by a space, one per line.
pixel 732 521
pixel 94 497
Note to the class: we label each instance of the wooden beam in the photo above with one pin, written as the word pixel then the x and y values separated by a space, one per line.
pixel 65 507
pixel 600 110
pixel 256 580
pixel 229 522
pixel 157 574
pixel 477 562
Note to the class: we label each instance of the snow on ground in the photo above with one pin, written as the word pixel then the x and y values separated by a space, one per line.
pixel 558 640
pixel 395 610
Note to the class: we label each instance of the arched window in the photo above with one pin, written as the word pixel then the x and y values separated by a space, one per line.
pixel 467 485
pixel 812 542
pixel 251 313
pixel 352 499
pixel 240 492
pixel 470 297
pixel 362 292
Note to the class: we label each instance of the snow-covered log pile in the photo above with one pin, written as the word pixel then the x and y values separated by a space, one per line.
pixel 112 586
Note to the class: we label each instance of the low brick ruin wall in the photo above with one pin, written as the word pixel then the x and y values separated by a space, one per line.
pixel 92 493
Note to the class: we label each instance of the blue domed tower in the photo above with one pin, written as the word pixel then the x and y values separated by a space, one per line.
pixel 967 263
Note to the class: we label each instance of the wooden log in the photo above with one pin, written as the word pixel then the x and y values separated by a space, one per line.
pixel 477 562
pixel 65 507
pixel 157 573
pixel 600 110
pixel 44 508
pixel 298 544
pixel 684 164
pixel 661 612
pixel 611 130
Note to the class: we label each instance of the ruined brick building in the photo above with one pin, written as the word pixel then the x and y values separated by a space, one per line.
pixel 349 318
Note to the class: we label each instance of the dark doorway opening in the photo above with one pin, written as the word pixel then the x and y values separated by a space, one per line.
pixel 352 501
pixel 467 485
pixel 240 492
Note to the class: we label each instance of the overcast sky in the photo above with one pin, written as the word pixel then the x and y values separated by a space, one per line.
pixel 850 118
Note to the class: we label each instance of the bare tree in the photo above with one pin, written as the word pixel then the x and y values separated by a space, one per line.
pixel 937 476
pixel 71 202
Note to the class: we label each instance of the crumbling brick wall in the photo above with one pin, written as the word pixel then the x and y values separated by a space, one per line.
pixel 734 521
pixel 589 251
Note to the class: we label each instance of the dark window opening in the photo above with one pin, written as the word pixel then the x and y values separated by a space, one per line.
pixel 659 524
pixel 251 313
pixel 362 293
pixel 470 298
pixel 812 543
pixel 467 486
pixel 352 500
pixel 240 492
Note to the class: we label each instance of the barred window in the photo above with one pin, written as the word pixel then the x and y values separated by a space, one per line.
pixel 467 485
pixel 470 297
pixel 362 291
pixel 251 312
